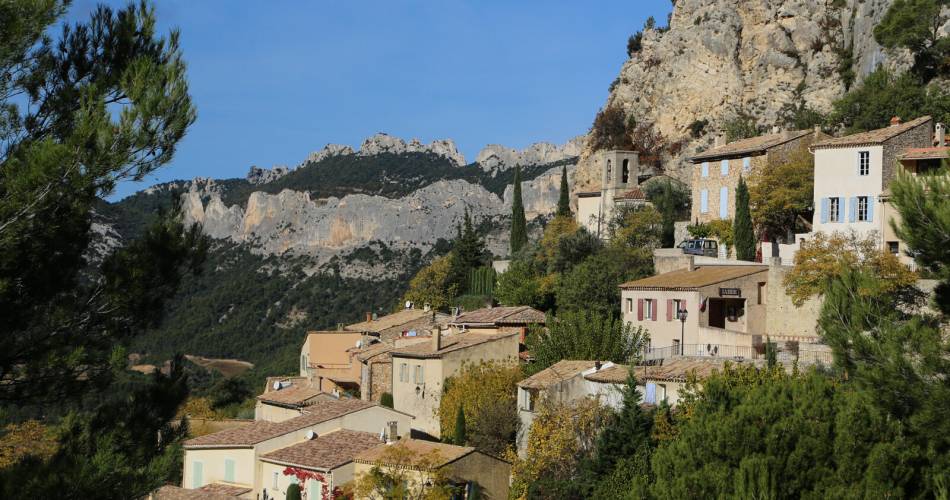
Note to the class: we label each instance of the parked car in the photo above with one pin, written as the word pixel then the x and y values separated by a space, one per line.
pixel 700 246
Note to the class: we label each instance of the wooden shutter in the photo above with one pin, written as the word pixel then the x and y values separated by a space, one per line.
pixel 639 309
pixel 656 304
pixel 669 309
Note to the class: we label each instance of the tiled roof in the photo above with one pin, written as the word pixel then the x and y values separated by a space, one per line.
pixel 872 137
pixel 633 194
pixel 925 153
pixel 170 492
pixel 392 320
pixel 558 372
pixel 690 280
pixel 326 452
pixel 421 450
pixel 293 395
pixel 450 343
pixel 677 369
pixel 262 430
pixel 616 374
pixel 371 351
pixel 501 316
pixel 294 382
pixel 752 145
pixel 226 488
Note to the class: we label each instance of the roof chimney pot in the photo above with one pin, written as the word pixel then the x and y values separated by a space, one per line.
pixel 895 121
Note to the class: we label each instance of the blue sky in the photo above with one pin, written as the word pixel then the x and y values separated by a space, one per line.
pixel 275 80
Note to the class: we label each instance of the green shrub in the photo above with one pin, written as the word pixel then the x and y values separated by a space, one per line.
pixel 386 399
pixel 293 492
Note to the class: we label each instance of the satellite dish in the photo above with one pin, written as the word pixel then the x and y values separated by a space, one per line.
pixel 311 435
pixel 277 386
pixel 359 344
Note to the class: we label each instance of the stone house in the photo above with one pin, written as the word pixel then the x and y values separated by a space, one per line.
pixel 236 457
pixel 621 172
pixel 716 172
pixel 325 362
pixel 420 370
pixel 853 176
pixel 392 326
pixel 375 363
pixel 562 382
pixel 286 398
pixel 463 466
pixel 498 320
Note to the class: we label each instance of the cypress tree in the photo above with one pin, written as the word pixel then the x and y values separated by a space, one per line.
pixel 742 225
pixel 626 434
pixel 293 492
pixel 460 437
pixel 519 225
pixel 564 201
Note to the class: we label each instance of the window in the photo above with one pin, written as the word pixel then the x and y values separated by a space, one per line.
pixel 303 363
pixel 704 201
pixel 705 169
pixel 724 203
pixel 229 470
pixel 676 346
pixel 894 247
pixel 528 402
pixel 864 162
pixel 275 480
pixel 660 392
pixel 649 309
pixel 863 209
pixel 747 164
pixel 609 171
pixel 724 166
pixel 417 374
pixel 630 305
pixel 625 173
pixel 834 210
pixel 403 372
pixel 762 292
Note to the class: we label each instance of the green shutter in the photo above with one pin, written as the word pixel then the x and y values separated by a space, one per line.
pixel 196 480
pixel 229 470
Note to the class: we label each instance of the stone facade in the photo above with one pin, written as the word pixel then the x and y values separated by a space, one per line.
pixel 920 136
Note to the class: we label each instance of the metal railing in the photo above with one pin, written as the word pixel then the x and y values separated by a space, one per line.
pixel 803 354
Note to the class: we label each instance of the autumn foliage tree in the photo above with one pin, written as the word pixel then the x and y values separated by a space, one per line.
pixel 483 394
pixel 401 473
pixel 782 193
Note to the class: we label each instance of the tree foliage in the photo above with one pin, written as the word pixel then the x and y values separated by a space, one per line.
pixel 822 258
pixel 609 130
pixel 915 25
pixel 883 95
pixel 484 395
pixel 781 193
pixel 742 126
pixel 432 285
pixel 742 229
pixel 519 225
pixel 672 200
pixel 594 284
pixel 564 197
pixel 402 473
pixel 584 335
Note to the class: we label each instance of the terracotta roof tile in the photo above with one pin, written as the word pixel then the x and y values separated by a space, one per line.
pixel 633 194
pixel 450 343
pixel 677 369
pixel 925 153
pixel 558 372
pixel 393 320
pixel 446 453
pixel 261 430
pixel 226 488
pixel 326 452
pixel 293 396
pixel 690 280
pixel 616 374
pixel 501 316
pixel 752 145
pixel 294 381
pixel 871 137
pixel 170 492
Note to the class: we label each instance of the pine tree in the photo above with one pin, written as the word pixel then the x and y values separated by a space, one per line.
pixel 293 492
pixel 564 201
pixel 460 437
pixel 742 225
pixel 626 434
pixel 519 225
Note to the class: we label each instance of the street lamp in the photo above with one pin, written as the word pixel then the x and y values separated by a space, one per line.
pixel 681 314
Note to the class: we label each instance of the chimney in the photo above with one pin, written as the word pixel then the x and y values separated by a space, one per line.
pixel 391 435
pixel 597 366
pixel 369 316
pixel 817 129
pixel 720 140
pixel 776 129
pixel 895 121
pixel 690 264
pixel 437 339
pixel 940 135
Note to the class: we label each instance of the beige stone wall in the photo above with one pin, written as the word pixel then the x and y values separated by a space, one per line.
pixel 273 413
pixel 588 208
pixel 715 181
pixel 663 332
pixel 784 318
pixel 213 466
pixel 381 379
pixel 490 473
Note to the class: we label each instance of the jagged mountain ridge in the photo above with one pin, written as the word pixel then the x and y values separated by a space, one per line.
pixel 723 57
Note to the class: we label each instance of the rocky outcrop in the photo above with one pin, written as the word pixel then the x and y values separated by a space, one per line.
pixel 258 175
pixel 385 143
pixel 495 157
pixel 292 223
pixel 723 57
pixel 328 151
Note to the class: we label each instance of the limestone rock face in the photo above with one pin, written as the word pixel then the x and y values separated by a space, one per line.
pixel 328 151
pixel 723 57
pixel 385 143
pixel 258 175
pixel 495 157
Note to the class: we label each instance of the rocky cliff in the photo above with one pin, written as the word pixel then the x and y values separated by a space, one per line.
pixel 720 58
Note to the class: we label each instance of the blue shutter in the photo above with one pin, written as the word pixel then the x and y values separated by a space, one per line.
pixel 650 393
pixel 196 480
pixel 705 169
pixel 852 209
pixel 825 209
pixel 871 208
pixel 747 164
pixel 723 202
pixel 725 167
pixel 229 470
pixel 704 201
